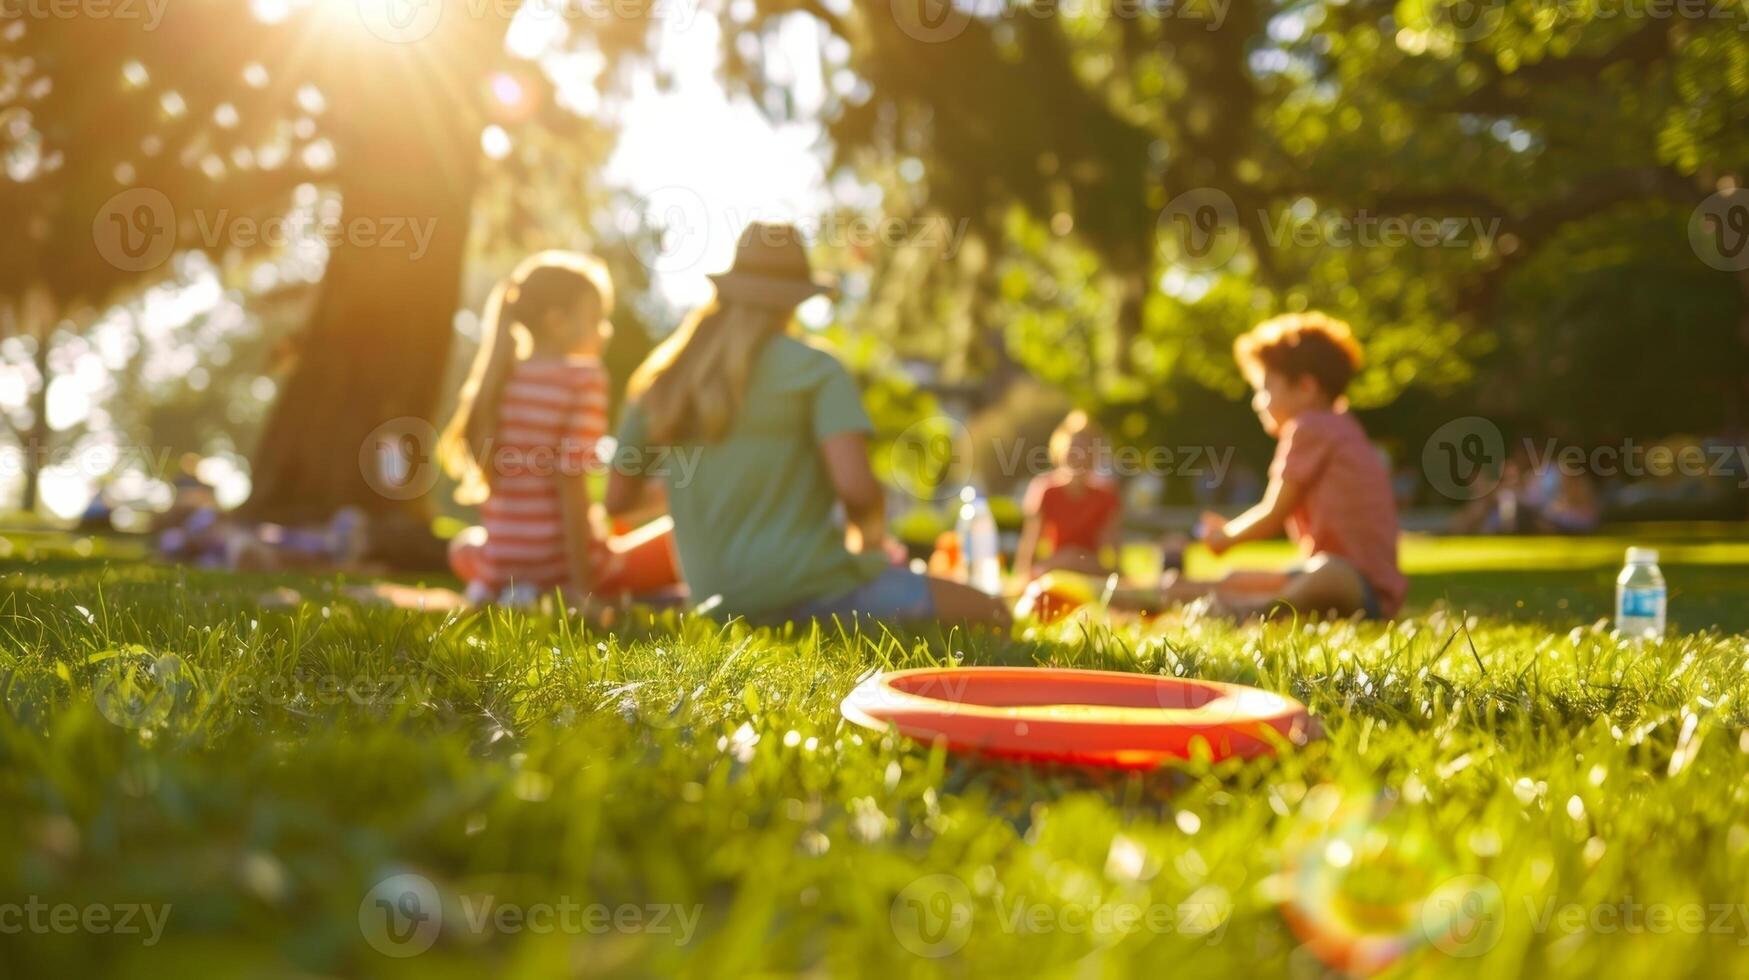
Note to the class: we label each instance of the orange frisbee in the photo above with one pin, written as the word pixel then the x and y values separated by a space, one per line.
pixel 1081 717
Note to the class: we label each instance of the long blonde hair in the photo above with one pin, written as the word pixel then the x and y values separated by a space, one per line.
pixel 691 386
pixel 540 283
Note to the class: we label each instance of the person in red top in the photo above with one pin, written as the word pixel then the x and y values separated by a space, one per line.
pixel 523 442
pixel 1073 510
pixel 1329 489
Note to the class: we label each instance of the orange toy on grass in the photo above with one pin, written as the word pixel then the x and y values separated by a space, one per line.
pixel 466 551
pixel 1054 595
pixel 1080 717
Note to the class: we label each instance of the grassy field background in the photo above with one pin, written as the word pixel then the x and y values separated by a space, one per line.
pixel 291 784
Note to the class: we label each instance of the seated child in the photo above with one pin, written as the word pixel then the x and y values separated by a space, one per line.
pixel 1329 490
pixel 523 443
pixel 1073 509
pixel 210 538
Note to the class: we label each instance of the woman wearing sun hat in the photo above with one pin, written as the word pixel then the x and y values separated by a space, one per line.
pixel 757 436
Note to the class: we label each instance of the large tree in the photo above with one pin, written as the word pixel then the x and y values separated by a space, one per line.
pixel 1149 178
pixel 130 141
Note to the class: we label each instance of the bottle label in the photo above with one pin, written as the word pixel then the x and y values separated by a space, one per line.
pixel 1642 602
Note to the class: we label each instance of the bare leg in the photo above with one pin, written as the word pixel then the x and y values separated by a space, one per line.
pixel 1239 587
pixel 1253 583
pixel 1070 560
pixel 956 603
pixel 1329 586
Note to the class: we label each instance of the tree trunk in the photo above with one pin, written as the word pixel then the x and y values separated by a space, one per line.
pixel 33 315
pixel 36 441
pixel 375 351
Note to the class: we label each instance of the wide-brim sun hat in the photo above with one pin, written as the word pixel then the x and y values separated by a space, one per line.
pixel 771 269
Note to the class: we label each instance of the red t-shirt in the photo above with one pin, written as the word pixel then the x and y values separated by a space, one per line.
pixel 1072 517
pixel 1346 508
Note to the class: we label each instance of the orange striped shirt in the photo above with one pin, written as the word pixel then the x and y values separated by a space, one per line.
pixel 551 417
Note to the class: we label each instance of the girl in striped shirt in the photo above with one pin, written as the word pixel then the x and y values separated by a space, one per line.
pixel 523 441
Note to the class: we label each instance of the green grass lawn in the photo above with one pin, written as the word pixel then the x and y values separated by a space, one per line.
pixel 1503 788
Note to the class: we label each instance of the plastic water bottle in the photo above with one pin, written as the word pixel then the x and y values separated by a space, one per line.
pixel 962 533
pixel 979 543
pixel 1640 596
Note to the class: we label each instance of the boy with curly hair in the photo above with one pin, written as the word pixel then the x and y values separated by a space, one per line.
pixel 1329 489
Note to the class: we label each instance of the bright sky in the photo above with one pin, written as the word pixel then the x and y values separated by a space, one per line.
pixel 710 164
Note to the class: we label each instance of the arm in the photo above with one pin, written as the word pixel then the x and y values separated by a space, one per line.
pixel 1032 529
pixel 1027 550
pixel 846 457
pixel 1266 519
pixel 483 420
pixel 577 453
pixel 1110 538
pixel 627 479
pixel 579 534
pixel 626 492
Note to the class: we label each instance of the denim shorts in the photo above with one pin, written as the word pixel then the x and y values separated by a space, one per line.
pixel 1369 597
pixel 897 594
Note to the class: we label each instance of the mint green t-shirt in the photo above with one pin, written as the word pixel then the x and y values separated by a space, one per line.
pixel 753 512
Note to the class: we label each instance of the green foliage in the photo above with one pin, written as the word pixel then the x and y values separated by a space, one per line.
pixel 1074 138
